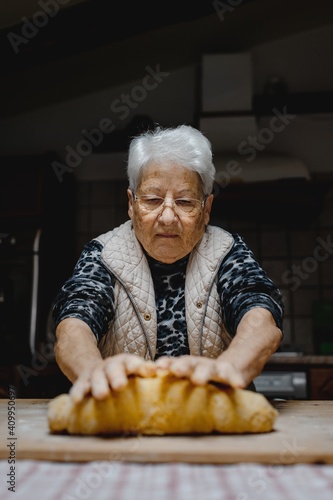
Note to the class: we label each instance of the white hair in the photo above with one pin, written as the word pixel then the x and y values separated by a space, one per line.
pixel 183 145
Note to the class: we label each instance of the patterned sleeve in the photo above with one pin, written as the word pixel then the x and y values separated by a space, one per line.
pixel 89 293
pixel 243 284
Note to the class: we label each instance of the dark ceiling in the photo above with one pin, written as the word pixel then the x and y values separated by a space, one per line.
pixel 98 44
pixel 89 25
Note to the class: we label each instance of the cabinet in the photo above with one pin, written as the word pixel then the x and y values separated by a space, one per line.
pixel 321 383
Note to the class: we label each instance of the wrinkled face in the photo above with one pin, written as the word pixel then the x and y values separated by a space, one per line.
pixel 167 233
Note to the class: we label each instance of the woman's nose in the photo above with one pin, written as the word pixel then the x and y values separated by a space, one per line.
pixel 167 215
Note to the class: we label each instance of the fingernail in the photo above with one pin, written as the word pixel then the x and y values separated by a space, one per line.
pixel 179 371
pixel 198 381
pixel 118 384
pixel 76 397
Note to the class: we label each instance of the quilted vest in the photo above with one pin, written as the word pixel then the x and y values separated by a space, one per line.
pixel 134 326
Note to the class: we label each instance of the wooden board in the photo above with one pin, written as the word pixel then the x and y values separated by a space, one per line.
pixel 303 434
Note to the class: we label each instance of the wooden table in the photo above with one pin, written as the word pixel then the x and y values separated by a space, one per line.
pixel 303 433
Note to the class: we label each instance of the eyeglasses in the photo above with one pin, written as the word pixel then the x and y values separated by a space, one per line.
pixel 152 203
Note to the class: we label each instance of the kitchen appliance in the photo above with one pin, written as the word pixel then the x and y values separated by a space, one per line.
pixel 282 384
pixel 288 382
pixel 36 252
pixel 19 271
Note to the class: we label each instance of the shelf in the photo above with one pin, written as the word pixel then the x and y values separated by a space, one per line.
pixel 310 359
pixel 295 103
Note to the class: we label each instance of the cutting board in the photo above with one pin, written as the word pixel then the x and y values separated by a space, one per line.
pixel 303 433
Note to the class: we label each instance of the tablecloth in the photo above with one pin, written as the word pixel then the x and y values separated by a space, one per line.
pixel 44 480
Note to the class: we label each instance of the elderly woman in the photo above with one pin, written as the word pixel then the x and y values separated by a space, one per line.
pixel 166 286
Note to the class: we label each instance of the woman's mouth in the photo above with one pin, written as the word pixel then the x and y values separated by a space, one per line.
pixel 166 235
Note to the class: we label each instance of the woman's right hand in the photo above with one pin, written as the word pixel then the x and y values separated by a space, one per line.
pixel 111 372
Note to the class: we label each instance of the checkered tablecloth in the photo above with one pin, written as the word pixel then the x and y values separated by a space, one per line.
pixel 43 480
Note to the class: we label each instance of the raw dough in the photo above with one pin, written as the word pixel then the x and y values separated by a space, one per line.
pixel 164 405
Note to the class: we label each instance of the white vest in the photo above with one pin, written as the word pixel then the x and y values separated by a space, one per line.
pixel 134 327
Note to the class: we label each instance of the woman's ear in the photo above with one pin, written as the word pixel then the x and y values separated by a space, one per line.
pixel 130 203
pixel 208 208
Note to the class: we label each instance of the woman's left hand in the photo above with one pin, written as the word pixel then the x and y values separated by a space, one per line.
pixel 256 339
pixel 201 370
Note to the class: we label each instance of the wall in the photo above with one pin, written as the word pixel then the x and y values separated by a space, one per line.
pixel 300 262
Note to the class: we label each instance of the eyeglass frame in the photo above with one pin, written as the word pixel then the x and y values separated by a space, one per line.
pixel 162 206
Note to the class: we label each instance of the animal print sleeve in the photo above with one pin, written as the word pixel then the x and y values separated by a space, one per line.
pixel 89 293
pixel 243 284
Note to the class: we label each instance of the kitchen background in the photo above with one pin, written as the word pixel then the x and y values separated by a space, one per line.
pixel 80 78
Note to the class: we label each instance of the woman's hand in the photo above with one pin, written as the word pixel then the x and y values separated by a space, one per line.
pixel 256 339
pixel 201 370
pixel 109 372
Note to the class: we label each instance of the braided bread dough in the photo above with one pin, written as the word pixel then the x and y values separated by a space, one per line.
pixel 164 405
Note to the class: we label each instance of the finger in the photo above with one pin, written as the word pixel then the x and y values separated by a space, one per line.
pixel 134 365
pixel 237 381
pixel 163 362
pixel 79 390
pixel 202 373
pixel 182 366
pixel 99 383
pixel 226 374
pixel 147 369
pixel 116 373
pixel 131 362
